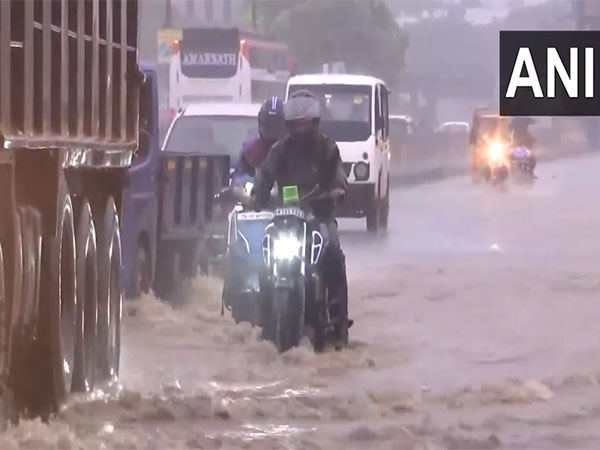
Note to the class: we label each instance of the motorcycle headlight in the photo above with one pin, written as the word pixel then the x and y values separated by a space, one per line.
pixel 361 171
pixel 248 188
pixel 286 247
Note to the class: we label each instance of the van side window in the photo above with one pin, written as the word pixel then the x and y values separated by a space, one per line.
pixel 378 116
pixel 385 112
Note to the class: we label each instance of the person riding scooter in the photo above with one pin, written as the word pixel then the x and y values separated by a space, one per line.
pixel 271 127
pixel 522 137
pixel 240 287
pixel 308 159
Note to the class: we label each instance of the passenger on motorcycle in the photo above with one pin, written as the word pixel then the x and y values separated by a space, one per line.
pixel 308 159
pixel 271 127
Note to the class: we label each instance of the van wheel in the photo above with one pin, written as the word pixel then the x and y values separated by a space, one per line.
pixel 374 211
pixel 385 208
pixel 109 294
pixel 87 301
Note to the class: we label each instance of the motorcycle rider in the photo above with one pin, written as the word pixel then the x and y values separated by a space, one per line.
pixel 271 127
pixel 521 136
pixel 308 159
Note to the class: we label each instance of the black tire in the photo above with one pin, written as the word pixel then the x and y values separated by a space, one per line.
pixel 27 362
pixel 501 175
pixel 87 301
pixel 8 410
pixel 110 295
pixel 287 317
pixel 319 316
pixel 141 281
pixel 385 208
pixel 373 216
pixel 4 324
pixel 59 302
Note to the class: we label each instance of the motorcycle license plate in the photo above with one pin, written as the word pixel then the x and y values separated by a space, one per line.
pixel 297 212
pixel 263 215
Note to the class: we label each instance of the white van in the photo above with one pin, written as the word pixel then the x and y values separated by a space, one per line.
pixel 354 113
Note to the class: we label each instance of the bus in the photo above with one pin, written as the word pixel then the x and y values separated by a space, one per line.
pixel 226 65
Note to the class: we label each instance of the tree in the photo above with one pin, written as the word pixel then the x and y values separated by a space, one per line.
pixel 363 34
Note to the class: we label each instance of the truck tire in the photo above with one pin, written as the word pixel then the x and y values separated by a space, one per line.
pixel 110 294
pixel 385 208
pixel 4 323
pixel 26 364
pixel 59 302
pixel 87 301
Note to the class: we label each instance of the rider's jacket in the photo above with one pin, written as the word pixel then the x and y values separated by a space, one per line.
pixel 305 164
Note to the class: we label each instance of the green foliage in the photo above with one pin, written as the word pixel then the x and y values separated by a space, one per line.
pixel 363 34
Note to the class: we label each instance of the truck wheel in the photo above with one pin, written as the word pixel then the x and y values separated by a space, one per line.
pixel 385 209
pixel 110 294
pixel 59 302
pixel 142 273
pixel 4 322
pixel 26 364
pixel 87 301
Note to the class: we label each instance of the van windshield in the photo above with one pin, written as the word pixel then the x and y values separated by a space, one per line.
pixel 222 135
pixel 345 110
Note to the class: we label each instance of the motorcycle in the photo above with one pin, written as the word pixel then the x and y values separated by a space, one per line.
pixel 241 287
pixel 298 300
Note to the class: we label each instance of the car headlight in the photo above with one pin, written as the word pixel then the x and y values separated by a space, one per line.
pixel 361 171
pixel 286 247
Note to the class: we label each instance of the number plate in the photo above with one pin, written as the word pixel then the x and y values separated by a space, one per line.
pixel 263 215
pixel 297 212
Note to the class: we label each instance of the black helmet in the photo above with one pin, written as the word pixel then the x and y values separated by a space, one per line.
pixel 302 114
pixel 271 124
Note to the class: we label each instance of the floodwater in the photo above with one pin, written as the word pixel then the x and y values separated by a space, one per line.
pixel 476 326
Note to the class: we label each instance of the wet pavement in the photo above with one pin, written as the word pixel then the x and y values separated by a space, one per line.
pixel 476 326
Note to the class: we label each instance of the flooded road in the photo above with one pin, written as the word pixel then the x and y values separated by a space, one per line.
pixel 476 326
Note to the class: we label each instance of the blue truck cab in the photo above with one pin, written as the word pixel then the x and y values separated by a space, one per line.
pixel 167 205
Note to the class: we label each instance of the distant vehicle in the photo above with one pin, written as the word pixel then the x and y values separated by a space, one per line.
pixel 453 127
pixel 226 65
pixel 167 205
pixel 355 115
pixel 401 128
pixel 215 129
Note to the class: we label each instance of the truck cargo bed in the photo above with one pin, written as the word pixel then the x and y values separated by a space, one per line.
pixel 70 78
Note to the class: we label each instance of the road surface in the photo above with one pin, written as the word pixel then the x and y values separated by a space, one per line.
pixel 476 327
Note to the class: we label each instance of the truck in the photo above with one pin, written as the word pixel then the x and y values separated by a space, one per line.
pixel 168 202
pixel 69 88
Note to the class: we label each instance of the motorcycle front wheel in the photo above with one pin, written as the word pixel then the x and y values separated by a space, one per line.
pixel 284 329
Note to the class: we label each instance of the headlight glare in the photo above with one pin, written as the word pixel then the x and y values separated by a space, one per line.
pixel 286 247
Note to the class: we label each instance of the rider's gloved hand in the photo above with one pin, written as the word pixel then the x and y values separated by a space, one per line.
pixel 249 201
pixel 337 193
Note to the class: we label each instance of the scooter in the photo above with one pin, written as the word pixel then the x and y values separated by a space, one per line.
pixel 244 260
